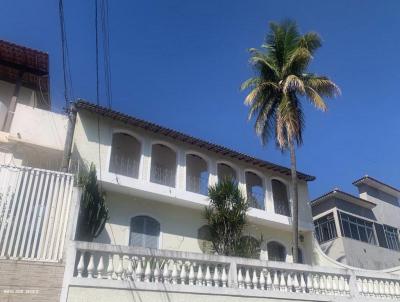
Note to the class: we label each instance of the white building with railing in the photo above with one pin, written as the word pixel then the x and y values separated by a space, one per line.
pixel 156 180
pixel 153 247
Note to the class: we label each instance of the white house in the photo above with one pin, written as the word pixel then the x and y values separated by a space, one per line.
pixel 157 178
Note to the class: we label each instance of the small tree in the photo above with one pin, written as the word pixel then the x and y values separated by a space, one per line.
pixel 94 211
pixel 226 216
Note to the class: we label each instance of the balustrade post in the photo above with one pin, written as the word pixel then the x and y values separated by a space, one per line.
pixel 233 275
pixel 352 284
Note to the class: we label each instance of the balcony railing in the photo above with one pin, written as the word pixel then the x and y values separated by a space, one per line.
pixel 256 200
pixel 124 166
pixel 197 184
pixel 99 265
pixel 162 176
pixel 282 209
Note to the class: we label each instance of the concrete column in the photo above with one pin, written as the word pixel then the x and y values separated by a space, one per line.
pixel 181 170
pixel 146 160
pixel 212 169
pixel 337 223
pixel 269 200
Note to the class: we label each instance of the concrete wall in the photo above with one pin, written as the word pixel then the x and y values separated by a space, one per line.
pixel 26 96
pixel 39 126
pixel 86 145
pixel 360 254
pixel 23 281
pixel 179 226
pixel 387 210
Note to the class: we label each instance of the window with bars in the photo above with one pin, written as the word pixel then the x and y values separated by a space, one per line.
pixel 325 228
pixel 144 232
pixel 392 237
pixel 356 228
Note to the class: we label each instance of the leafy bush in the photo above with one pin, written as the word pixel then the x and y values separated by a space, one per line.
pixel 94 211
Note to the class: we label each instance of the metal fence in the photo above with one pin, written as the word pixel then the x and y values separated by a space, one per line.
pixel 34 210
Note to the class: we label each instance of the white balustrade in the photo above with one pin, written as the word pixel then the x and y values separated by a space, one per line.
pixel 139 265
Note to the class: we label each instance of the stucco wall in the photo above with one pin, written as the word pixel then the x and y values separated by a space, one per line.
pixel 387 210
pixel 39 126
pixel 86 145
pixel 179 226
pixel 360 254
pixel 26 96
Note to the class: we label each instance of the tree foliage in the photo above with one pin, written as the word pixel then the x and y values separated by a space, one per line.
pixel 94 211
pixel 282 79
pixel 226 217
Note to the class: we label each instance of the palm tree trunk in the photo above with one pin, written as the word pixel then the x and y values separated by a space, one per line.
pixel 295 201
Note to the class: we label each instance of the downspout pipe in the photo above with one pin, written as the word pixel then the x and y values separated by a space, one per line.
pixel 69 139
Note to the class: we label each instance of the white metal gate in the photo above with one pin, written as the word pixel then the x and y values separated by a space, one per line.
pixel 34 210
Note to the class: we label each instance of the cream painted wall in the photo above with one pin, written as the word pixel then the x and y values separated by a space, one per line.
pixel 41 127
pixel 86 142
pixel 26 96
pixel 179 225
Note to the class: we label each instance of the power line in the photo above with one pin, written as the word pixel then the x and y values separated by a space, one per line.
pixel 106 51
pixel 98 86
pixel 68 89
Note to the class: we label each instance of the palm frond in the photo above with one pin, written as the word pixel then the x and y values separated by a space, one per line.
pixel 297 62
pixel 263 63
pixel 293 84
pixel 315 98
pixel 310 41
pixel 322 85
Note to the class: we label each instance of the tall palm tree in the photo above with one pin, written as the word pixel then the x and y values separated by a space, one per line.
pixel 282 81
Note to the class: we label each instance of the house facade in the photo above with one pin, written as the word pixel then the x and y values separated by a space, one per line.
pixel 158 177
pixel 361 231
pixel 155 245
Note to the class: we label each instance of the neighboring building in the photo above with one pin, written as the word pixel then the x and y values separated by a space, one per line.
pixel 30 134
pixel 34 203
pixel 360 231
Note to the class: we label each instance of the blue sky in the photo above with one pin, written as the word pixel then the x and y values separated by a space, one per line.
pixel 180 64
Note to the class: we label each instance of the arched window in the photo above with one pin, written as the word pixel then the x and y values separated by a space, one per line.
pixel 226 172
pixel 255 190
pixel 163 165
pixel 196 174
pixel 125 155
pixel 281 199
pixel 276 251
pixel 144 232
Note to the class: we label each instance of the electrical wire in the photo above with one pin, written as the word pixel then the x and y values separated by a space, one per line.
pixel 68 89
pixel 98 86
pixel 106 50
